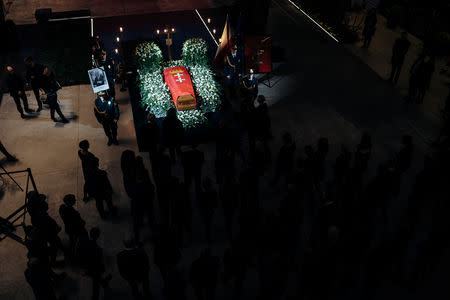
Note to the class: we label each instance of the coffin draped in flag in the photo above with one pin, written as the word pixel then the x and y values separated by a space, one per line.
pixel 180 84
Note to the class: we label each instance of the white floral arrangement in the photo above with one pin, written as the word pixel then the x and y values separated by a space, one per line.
pixel 155 94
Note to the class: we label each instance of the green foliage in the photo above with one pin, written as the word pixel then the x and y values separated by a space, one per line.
pixel 195 52
pixel 155 94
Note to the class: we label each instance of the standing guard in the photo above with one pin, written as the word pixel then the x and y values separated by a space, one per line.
pixel 250 86
pixel 232 68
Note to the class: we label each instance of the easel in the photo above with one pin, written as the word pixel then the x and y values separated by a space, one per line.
pixel 7 227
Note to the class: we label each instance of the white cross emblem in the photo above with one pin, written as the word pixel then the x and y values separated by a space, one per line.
pixel 178 75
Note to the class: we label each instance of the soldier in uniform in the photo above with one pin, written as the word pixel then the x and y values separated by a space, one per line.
pixel 16 87
pixel 232 68
pixel 250 85
pixel 34 78
pixel 110 70
pixel 107 113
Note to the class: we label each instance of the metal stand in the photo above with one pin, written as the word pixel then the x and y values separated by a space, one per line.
pixel 268 84
pixel 7 227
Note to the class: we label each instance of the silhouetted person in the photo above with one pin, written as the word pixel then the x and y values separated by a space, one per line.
pixel 162 176
pixel 204 274
pixel 415 78
pixel 91 256
pixel 142 195
pixel 261 126
pixel 342 166
pixel 74 224
pixel 192 161
pixel 16 87
pixel 363 153
pixel 173 133
pixel 100 188
pixel 425 75
pixel 370 25
pixel 36 206
pixel 150 136
pixel 128 166
pixel 8 156
pixel 405 155
pixel 207 202
pixel 38 277
pixel 87 164
pixel 285 161
pixel 174 286
pixel 51 87
pixel 34 78
pixel 50 230
pixel 133 265
pixel 399 51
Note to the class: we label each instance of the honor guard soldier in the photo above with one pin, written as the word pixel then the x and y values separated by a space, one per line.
pixel 250 85
pixel 51 87
pixel 34 78
pixel 232 68
pixel 110 70
pixel 107 113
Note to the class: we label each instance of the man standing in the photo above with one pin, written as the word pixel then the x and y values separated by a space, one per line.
pixel 100 188
pixel 107 113
pixel 38 277
pixel 110 69
pixel 232 68
pixel 250 85
pixel 16 87
pixel 50 87
pixel 74 224
pixel 87 164
pixel 399 51
pixel 34 77
pixel 134 266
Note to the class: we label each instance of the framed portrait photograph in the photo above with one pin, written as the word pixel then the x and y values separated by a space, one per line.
pixel 98 80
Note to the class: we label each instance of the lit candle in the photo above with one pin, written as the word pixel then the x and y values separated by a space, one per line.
pixel 209 20
pixel 173 29
pixel 214 31
pixel 157 31
pixel 121 29
pixel 116 50
pixel 117 39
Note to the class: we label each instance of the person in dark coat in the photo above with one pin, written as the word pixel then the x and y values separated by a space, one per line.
pixel 50 230
pixel 370 25
pixel 285 161
pixel 38 277
pixel 399 51
pixel 74 224
pixel 192 161
pixel 204 275
pixel 150 136
pixel 34 78
pixel 207 202
pixel 91 257
pixel 87 164
pixel 16 87
pixel 109 66
pixel 134 267
pixel 50 87
pixel 173 133
pixel 405 155
pixel 100 188
pixel 415 79
pixel 425 75
pixel 142 193
pixel 128 166
pixel 107 113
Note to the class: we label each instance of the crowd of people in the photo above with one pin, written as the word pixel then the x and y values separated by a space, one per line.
pixel 323 230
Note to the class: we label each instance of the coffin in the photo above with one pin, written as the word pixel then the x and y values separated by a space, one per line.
pixel 180 84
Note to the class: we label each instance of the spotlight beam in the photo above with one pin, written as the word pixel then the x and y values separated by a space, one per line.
pixel 206 26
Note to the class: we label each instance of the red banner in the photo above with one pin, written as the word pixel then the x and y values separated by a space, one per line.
pixel 180 84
